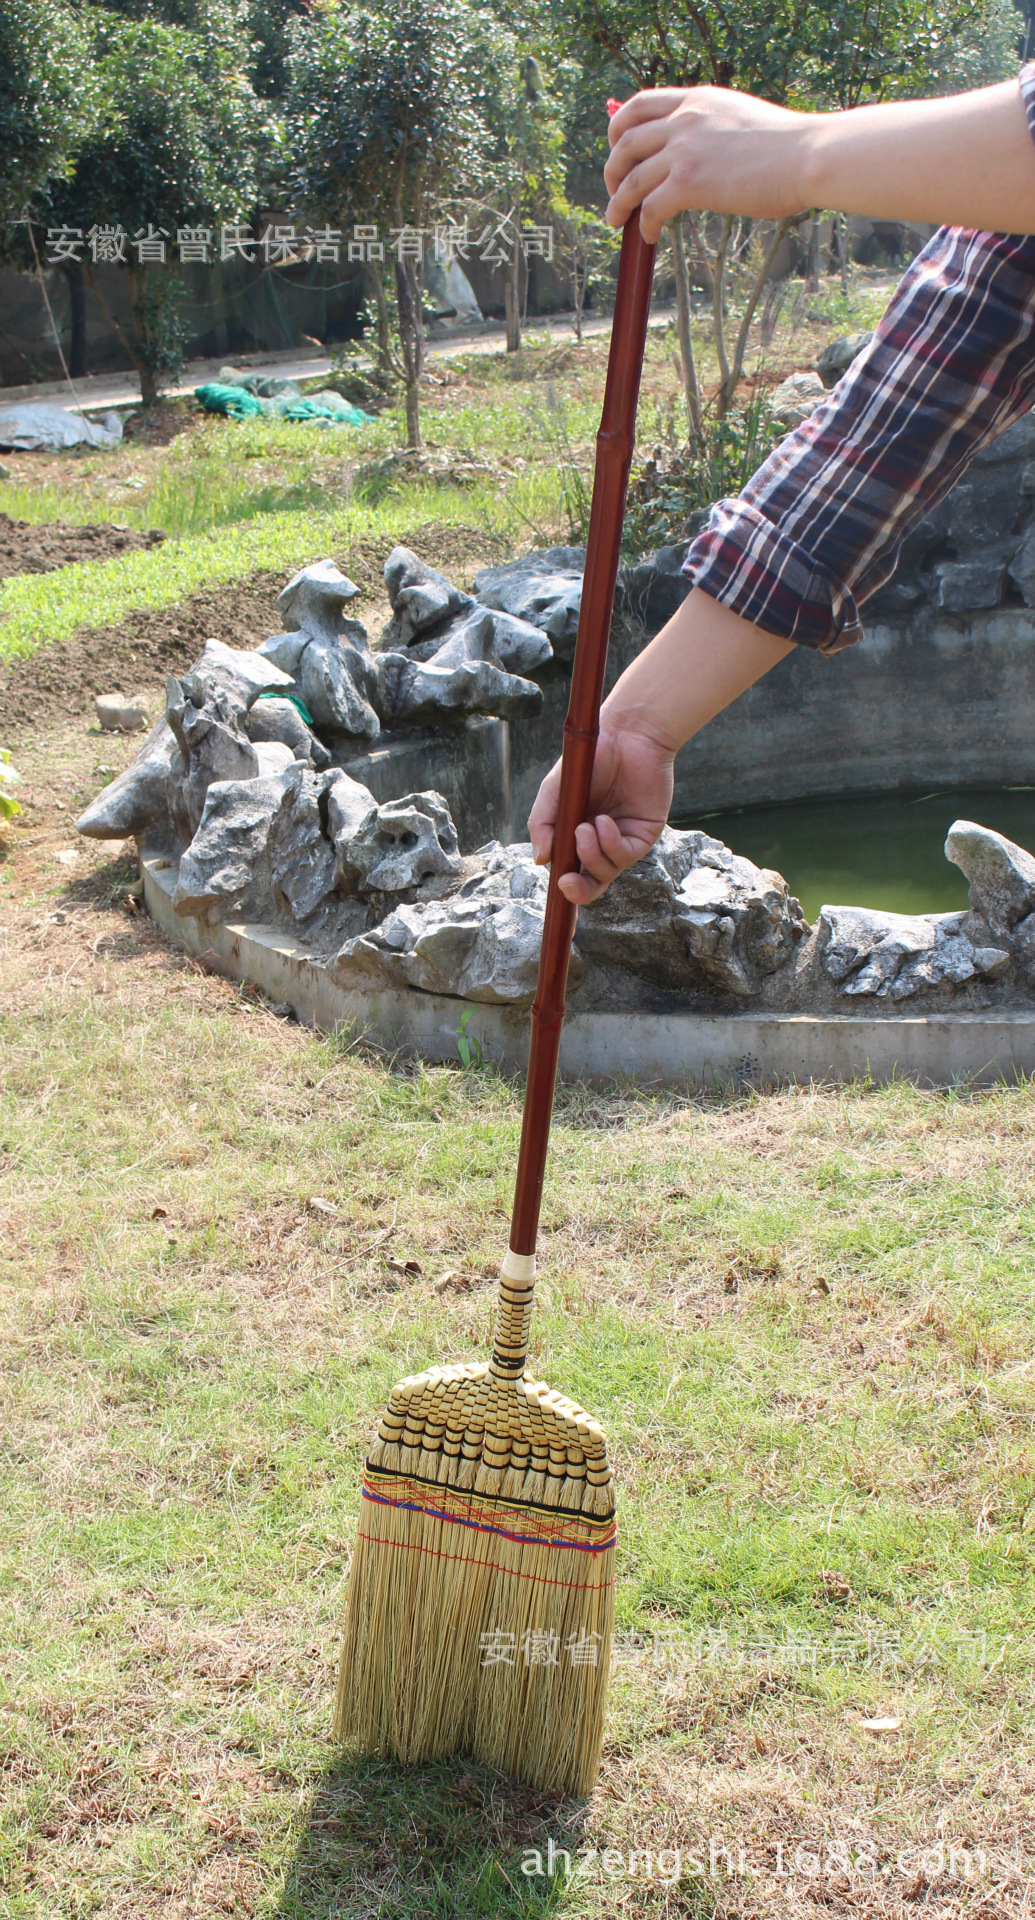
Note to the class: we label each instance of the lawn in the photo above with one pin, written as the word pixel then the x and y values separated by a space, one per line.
pixel 803 1318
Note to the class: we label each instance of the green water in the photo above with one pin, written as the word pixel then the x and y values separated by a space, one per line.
pixel 878 852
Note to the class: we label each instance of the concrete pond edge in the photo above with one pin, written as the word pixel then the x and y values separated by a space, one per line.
pixel 653 1049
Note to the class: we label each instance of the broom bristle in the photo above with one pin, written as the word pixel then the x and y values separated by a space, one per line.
pixel 481 1597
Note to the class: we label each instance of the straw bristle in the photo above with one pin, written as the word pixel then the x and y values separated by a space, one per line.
pixel 481 1597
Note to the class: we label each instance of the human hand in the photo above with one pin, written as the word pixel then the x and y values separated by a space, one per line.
pixel 629 802
pixel 676 148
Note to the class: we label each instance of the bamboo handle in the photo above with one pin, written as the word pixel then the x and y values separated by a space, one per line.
pixel 614 450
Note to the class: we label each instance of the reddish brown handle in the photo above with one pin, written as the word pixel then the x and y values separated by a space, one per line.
pixel 610 480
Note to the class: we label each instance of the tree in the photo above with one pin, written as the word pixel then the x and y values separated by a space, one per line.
pixel 803 53
pixel 388 121
pixel 173 146
pixel 46 98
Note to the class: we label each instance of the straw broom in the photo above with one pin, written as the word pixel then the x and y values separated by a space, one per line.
pixel 481 1597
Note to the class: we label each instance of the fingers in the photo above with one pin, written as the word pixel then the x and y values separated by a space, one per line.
pixel 641 181
pixel 543 816
pixel 638 144
pixel 654 104
pixel 604 852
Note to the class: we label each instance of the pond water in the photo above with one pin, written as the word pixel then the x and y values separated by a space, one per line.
pixel 885 851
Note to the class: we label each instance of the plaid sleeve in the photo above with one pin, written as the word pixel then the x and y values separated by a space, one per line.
pixel 952 363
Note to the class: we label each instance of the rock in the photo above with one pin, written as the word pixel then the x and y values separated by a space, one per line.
pixel 225 871
pixel 739 921
pixel 469 636
pixel 481 943
pixel 1022 567
pixel 312 601
pixel 796 397
pixel 145 798
pixel 836 358
pixel 337 682
pixel 655 589
pixel 1001 875
pixel 1016 442
pixel 240 673
pixel 207 725
pixel 273 719
pixel 403 843
pixel 420 598
pixel 273 757
pixel 285 650
pixel 897 955
pixel 117 715
pixel 349 806
pixel 963 586
pixel 543 588
pixel 520 646
pixel 411 694
pixel 300 850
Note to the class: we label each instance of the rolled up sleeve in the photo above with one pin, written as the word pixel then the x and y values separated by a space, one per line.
pixel 952 363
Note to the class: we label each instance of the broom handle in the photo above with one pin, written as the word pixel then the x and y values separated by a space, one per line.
pixel 614 449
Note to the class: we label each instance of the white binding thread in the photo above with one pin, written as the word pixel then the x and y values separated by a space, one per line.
pixel 518 1266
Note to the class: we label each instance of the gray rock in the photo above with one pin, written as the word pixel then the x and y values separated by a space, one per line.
pixel 963 586
pixel 410 693
pixel 1022 567
pixel 225 873
pixel 544 588
pixel 337 681
pixel 520 647
pixel 796 397
pixel 207 723
pixel 739 921
pixel 1016 442
pixel 1001 875
pixel 116 715
pixel 836 358
pixel 300 850
pixel 470 635
pixel 273 757
pixel 280 720
pixel 419 596
pixel 145 797
pixel 312 602
pixel 285 650
pixel 655 589
pixel 349 807
pixel 241 674
pixel 481 943
pixel 897 955
pixel 402 844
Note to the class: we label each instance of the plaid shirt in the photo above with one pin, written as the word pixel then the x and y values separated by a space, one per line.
pixel 952 363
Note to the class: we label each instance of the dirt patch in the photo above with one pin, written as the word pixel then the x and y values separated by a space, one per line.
pixel 137 656
pixel 26 548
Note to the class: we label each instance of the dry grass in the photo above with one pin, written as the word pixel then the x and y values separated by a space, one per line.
pixel 805 1321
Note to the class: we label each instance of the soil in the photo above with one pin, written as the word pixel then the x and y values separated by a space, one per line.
pixel 136 657
pixel 26 548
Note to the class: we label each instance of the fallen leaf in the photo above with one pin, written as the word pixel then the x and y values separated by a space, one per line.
pixel 889 1723
pixel 320 1206
pixel 820 1285
pixel 68 856
pixel 836 1586
pixel 159 1213
pixel 403 1266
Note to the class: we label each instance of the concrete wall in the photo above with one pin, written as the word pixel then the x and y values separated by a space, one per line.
pixel 941 700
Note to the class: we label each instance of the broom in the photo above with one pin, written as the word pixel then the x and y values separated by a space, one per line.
pixel 481 1598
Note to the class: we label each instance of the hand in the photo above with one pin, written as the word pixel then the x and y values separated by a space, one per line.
pixel 705 147
pixel 629 801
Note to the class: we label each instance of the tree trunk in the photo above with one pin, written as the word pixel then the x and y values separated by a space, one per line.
pixel 148 384
pixel 385 364
pixel 512 290
pixel 750 306
pixel 812 272
pixel 719 314
pixel 411 340
pixel 141 356
pixel 74 280
pixel 841 224
pixel 684 323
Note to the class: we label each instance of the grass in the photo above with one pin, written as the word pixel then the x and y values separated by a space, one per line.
pixel 236 496
pixel 803 1319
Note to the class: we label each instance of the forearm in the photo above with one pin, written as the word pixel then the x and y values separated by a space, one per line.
pixel 701 660
pixel 966 161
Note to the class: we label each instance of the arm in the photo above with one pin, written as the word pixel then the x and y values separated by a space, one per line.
pixel 694 667
pixel 962 161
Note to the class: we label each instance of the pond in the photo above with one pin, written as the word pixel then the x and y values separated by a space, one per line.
pixel 882 851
